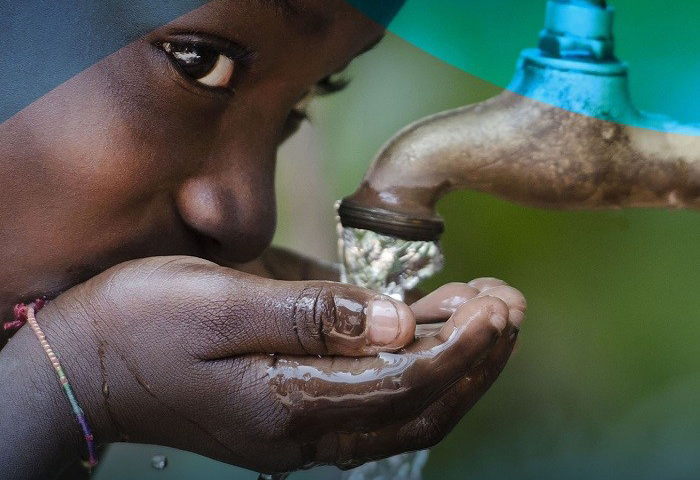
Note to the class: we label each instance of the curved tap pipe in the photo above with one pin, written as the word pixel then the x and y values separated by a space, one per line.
pixel 564 135
pixel 531 153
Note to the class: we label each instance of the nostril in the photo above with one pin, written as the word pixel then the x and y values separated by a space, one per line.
pixel 202 244
pixel 212 249
pixel 232 223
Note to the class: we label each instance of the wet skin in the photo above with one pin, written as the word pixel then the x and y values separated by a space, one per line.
pixel 132 159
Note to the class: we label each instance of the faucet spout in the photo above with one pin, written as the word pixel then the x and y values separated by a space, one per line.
pixel 564 135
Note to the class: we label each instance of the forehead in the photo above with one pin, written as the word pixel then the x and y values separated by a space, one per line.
pixel 271 28
pixel 306 17
pixel 56 40
pixel 316 14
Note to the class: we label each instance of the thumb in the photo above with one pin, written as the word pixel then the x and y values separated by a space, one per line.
pixel 258 315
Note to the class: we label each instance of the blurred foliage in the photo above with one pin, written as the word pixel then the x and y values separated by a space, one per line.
pixel 614 311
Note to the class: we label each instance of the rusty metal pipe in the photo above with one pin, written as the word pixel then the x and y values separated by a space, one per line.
pixel 564 135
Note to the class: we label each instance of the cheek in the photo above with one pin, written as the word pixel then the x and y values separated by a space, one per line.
pixel 93 166
pixel 117 133
pixel 111 147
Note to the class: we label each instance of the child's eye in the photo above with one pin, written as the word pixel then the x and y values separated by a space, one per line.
pixel 202 63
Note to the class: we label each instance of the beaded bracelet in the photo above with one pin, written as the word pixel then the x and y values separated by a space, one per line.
pixel 79 414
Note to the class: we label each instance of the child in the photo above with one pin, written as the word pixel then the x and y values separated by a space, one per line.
pixel 123 186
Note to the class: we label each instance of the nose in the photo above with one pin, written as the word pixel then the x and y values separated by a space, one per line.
pixel 232 213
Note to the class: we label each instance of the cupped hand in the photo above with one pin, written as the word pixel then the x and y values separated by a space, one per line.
pixel 274 375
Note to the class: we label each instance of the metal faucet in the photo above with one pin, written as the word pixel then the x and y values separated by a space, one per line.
pixel 564 134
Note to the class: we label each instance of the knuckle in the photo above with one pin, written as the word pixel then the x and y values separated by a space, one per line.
pixel 495 305
pixel 508 294
pixel 325 312
pixel 331 318
pixel 426 432
pixel 485 305
pixel 315 316
pixel 433 425
pixel 460 290
pixel 345 449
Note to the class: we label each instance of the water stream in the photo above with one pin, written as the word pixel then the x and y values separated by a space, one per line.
pixel 391 266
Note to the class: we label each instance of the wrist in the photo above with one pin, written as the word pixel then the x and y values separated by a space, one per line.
pixel 44 434
pixel 38 437
pixel 68 332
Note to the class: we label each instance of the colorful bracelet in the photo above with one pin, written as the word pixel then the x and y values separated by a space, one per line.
pixel 79 414
pixel 20 316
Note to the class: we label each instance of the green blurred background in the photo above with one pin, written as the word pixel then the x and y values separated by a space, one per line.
pixel 606 380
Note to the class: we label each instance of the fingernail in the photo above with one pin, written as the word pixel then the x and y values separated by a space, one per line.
pixel 516 317
pixel 498 321
pixel 383 321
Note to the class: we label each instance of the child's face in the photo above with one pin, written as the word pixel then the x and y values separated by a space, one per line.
pixel 167 146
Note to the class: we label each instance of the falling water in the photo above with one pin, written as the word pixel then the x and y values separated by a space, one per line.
pixel 391 266
pixel 386 264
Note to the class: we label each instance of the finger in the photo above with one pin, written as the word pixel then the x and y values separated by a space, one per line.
pixel 244 314
pixel 413 295
pixel 512 297
pixel 449 296
pixel 471 311
pixel 486 282
pixel 349 449
pixel 442 303
pixel 364 393
pixel 440 417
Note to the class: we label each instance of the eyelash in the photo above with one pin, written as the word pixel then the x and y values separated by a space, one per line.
pixel 329 85
pixel 200 46
pixel 240 58
pixel 326 86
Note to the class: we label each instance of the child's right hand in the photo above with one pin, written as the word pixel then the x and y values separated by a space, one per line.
pixel 269 375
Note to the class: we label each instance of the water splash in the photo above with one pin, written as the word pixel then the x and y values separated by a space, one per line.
pixel 408 466
pixel 391 266
pixel 386 264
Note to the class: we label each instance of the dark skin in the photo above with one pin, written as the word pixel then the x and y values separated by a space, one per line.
pixel 133 160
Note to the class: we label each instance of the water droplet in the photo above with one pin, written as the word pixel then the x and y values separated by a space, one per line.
pixel 159 462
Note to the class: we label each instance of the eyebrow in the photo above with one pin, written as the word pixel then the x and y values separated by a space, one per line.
pixel 302 17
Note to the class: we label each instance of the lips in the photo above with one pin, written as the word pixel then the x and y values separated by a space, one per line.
pixel 43 296
pixel 58 285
